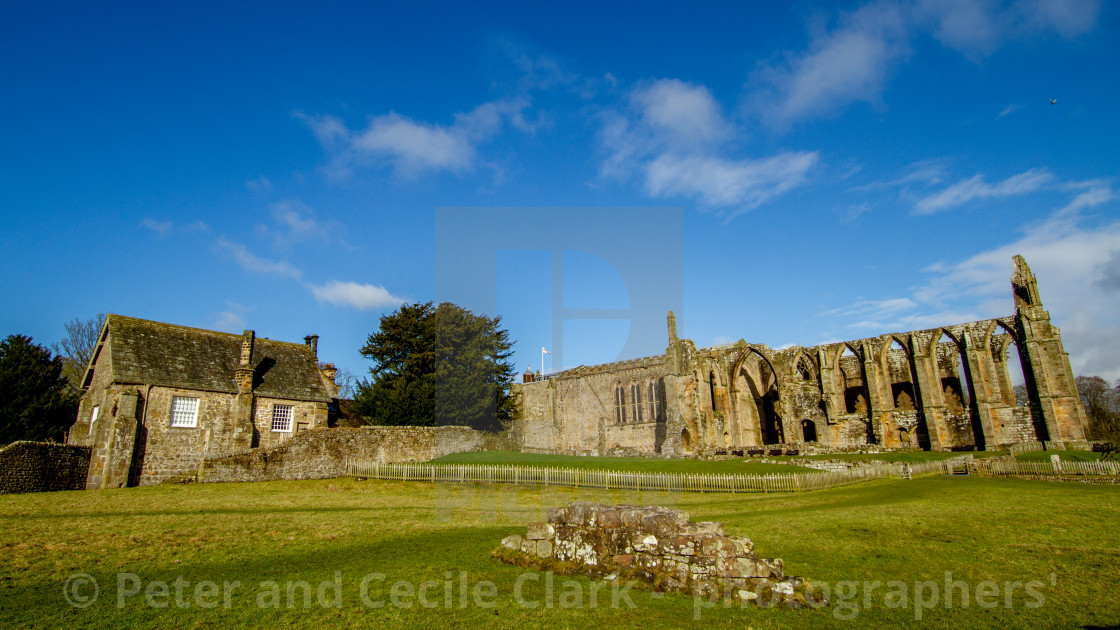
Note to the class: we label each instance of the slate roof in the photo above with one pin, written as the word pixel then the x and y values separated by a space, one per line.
pixel 143 351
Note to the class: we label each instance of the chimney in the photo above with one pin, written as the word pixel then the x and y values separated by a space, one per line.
pixel 247 338
pixel 312 342
pixel 329 370
pixel 243 375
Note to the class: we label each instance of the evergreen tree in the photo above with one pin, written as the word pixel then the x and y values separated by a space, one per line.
pixel 438 366
pixel 35 401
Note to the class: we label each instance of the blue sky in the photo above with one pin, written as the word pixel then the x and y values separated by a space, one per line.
pixel 837 171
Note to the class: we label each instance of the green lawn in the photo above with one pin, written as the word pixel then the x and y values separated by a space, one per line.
pixel 633 464
pixel 914 532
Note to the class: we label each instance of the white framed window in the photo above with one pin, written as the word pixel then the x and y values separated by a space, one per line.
pixel 184 412
pixel 282 418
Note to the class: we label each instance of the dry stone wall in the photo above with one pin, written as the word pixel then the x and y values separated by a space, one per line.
pixel 660 546
pixel 42 467
pixel 322 453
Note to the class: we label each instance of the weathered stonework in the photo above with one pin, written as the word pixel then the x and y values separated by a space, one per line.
pixel 322 454
pixel 944 388
pixel 42 467
pixel 238 381
pixel 660 546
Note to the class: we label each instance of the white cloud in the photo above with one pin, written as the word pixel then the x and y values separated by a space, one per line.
pixel 297 223
pixel 745 184
pixel 848 64
pixel 228 321
pixel 675 136
pixel 1069 18
pixel 160 227
pixel 261 185
pixel 251 262
pixel 1076 261
pixel 969 26
pixel 853 61
pixel 976 188
pixel 923 172
pixel 682 114
pixel 363 297
pixel 412 147
pixel 1010 109
pixel 887 307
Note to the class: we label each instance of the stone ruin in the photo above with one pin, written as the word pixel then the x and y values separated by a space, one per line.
pixel 660 547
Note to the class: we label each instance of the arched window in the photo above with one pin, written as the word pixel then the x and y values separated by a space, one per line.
pixel 635 401
pixel 712 388
pixel 651 395
pixel 619 403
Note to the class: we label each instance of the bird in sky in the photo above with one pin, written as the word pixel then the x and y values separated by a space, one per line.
pixel 1053 101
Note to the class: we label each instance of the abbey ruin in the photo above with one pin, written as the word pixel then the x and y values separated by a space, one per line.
pixel 947 388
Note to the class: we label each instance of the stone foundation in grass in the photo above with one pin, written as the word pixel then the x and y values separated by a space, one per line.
pixel 658 546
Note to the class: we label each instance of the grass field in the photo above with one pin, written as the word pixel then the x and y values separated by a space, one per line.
pixel 998 530
pixel 629 464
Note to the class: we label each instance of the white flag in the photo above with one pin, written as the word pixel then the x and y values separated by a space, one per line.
pixel 545 351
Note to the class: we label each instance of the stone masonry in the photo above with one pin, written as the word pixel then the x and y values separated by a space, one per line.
pixel 42 467
pixel 235 393
pixel 661 547
pixel 945 388
pixel 322 454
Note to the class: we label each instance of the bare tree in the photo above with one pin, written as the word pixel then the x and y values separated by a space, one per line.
pixel 1101 405
pixel 347 382
pixel 76 348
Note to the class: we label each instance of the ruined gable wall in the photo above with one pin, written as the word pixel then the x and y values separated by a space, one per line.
pixel 574 412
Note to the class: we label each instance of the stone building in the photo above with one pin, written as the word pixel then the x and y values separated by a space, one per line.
pixel 160 398
pixel 946 388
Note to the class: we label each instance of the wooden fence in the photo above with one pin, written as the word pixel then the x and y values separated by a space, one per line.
pixel 622 480
pixel 1008 467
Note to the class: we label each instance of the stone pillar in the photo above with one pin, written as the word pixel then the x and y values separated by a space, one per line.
pixel 833 398
pixel 979 373
pixel 928 388
pixel 872 384
pixel 1054 393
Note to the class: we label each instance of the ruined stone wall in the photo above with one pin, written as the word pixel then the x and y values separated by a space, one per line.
pixel 576 412
pixel 658 545
pixel 42 467
pixel 322 453
pixel 945 388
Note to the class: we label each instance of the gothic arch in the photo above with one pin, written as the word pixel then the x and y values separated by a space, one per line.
pixel 619 402
pixel 756 390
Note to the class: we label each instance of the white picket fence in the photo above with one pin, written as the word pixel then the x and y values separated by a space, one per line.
pixel 1008 467
pixel 622 480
